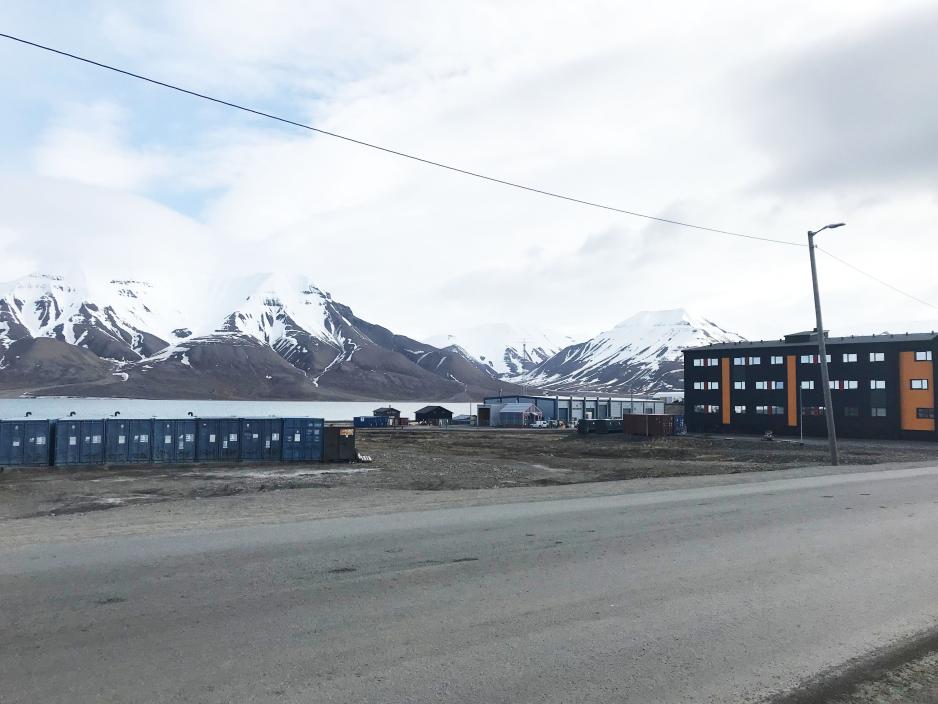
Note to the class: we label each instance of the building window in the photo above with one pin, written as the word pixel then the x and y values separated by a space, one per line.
pixel 778 385
pixel 762 385
pixel 833 384
pixel 813 358
pixel 739 361
pixel 851 384
pixel 850 357
pixel 762 410
pixel 705 408
pixel 923 356
pixel 877 383
pixel 739 409
pixel 925 413
pixel 713 385
pixel 755 360
pixel 851 411
pixel 698 386
pixel 812 410
pixel 919 384
pixel 777 359
pixel 877 356
pixel 712 362
pixel 807 384
pixel 878 412
pixel 698 362
pixel 739 385
pixel 778 410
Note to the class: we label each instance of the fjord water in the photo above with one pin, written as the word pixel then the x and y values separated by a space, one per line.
pixel 61 407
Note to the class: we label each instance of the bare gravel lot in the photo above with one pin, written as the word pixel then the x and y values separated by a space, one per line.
pixel 423 459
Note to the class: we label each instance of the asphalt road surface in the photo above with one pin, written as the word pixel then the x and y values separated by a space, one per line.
pixel 723 593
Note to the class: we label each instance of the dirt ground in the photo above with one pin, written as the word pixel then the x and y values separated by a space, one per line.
pixel 424 459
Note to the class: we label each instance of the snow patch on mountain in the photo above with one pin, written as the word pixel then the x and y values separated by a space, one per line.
pixel 643 352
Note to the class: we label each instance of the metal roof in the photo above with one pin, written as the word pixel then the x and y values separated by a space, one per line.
pixel 520 408
pixel 812 341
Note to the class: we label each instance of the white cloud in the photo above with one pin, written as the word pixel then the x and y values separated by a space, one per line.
pixel 90 144
pixel 644 107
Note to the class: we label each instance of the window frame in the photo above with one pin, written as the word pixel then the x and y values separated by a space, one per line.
pixel 923 355
pixel 922 384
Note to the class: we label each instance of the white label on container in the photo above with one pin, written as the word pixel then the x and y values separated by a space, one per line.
pixel 72 440
pixel 144 438
pixel 167 439
pixel 233 437
pixel 224 444
pixel 121 440
pixel 255 436
pixel 182 445
pixel 267 444
pixel 275 436
pixel 16 443
pixel 211 437
pixel 296 438
pixel 190 437
pixel 41 440
pixel 95 439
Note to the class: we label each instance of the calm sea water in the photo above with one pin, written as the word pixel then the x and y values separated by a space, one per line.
pixel 142 408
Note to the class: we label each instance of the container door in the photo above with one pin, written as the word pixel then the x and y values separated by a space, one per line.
pixel 12 443
pixel 141 441
pixel 347 444
pixel 185 440
pixel 230 450
pixel 273 439
pixel 207 441
pixel 117 441
pixel 92 442
pixel 38 445
pixel 251 439
pixel 67 442
pixel 164 440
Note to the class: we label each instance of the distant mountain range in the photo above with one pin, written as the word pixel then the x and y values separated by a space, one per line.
pixel 281 337
pixel 643 353
pixel 277 337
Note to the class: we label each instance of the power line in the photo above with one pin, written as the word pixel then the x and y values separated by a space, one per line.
pixel 876 279
pixel 395 152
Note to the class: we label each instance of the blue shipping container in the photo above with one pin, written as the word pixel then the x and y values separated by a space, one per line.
pixel 25 443
pixel 128 441
pixel 174 440
pixel 79 442
pixel 302 439
pixel 261 439
pixel 218 440
pixel 372 421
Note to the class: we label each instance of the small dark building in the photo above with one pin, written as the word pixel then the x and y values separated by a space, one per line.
pixel 435 415
pixel 387 411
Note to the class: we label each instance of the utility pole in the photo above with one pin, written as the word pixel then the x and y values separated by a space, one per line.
pixel 822 348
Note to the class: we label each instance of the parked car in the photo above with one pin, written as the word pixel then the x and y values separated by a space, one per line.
pixel 540 424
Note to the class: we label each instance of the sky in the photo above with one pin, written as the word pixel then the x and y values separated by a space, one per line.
pixel 766 118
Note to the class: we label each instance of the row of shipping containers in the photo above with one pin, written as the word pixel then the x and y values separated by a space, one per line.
pixel 644 424
pixel 170 441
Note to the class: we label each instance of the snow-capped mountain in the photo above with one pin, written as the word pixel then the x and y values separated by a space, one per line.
pixel 505 349
pixel 262 336
pixel 642 353
pixel 116 320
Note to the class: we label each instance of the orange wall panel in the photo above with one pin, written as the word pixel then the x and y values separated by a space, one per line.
pixel 725 388
pixel 911 399
pixel 791 383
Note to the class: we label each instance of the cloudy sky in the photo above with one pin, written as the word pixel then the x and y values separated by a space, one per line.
pixel 767 118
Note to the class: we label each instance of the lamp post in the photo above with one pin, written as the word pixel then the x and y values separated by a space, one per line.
pixel 822 347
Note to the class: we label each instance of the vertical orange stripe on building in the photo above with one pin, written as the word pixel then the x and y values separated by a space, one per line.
pixel 791 383
pixel 725 388
pixel 910 400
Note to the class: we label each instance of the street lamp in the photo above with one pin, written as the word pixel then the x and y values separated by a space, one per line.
pixel 822 347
